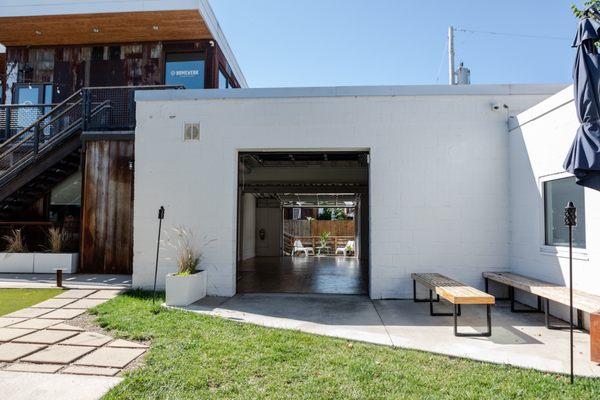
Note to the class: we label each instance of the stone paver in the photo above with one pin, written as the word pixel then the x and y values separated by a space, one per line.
pixel 86 303
pixel 39 341
pixel 105 294
pixel 62 313
pixel 32 386
pixel 65 327
pixel 81 370
pixel 126 344
pixel 54 303
pixel 88 339
pixel 45 337
pixel 36 323
pixel 4 322
pixel 42 368
pixel 10 352
pixel 29 313
pixel 58 354
pixel 8 334
pixel 110 357
pixel 75 294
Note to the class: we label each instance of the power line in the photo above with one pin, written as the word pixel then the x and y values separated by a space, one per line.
pixel 513 34
pixel 442 62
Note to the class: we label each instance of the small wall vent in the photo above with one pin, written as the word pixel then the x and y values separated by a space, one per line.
pixel 191 131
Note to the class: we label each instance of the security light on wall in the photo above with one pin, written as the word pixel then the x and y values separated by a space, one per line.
pixel 191 131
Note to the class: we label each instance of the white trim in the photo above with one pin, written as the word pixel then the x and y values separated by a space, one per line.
pixel 215 29
pixel 348 91
pixel 558 251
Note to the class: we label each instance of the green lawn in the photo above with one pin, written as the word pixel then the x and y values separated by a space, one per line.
pixel 16 299
pixel 201 357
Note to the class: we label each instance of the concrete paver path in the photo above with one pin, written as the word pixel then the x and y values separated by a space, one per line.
pixel 44 357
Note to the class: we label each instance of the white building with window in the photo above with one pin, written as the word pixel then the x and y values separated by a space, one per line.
pixel 539 191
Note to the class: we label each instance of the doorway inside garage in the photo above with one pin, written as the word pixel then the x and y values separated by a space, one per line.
pixel 303 222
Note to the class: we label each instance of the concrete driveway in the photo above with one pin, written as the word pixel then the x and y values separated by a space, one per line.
pixel 517 339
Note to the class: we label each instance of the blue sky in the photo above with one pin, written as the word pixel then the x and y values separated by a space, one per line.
pixel 396 42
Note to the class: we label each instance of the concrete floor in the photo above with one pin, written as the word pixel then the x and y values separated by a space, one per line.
pixel 517 339
pixel 70 281
pixel 322 275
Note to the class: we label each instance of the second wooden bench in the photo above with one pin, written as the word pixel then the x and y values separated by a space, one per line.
pixel 456 293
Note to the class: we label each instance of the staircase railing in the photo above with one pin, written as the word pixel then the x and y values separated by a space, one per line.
pixel 88 109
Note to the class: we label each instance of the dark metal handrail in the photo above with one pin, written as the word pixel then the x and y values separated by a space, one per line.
pixel 94 109
pixel 25 130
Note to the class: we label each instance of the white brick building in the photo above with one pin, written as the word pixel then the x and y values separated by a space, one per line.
pixel 449 187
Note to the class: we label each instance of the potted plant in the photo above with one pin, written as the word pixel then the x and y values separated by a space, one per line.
pixel 15 258
pixel 56 256
pixel 350 249
pixel 187 285
pixel 323 241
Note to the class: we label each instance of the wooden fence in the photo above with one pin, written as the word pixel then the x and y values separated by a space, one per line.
pixel 317 227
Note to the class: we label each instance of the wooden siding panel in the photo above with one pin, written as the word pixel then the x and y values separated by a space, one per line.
pixel 107 235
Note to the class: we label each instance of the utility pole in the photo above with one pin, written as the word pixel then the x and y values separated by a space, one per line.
pixel 451 79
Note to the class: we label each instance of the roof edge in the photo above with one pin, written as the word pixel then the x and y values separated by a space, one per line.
pixel 349 91
pixel 215 29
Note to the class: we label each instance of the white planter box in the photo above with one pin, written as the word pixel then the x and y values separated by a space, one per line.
pixel 18 263
pixel 185 290
pixel 48 263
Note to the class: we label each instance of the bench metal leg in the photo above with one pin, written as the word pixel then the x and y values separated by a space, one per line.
pixel 511 295
pixel 438 314
pixel 560 327
pixel 487 289
pixel 422 300
pixel 488 333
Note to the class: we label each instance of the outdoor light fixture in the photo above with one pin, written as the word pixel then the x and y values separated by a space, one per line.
pixel 96 30
pixel 39 33
pixel 570 222
pixel 155 27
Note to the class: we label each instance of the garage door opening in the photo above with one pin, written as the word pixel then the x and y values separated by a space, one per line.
pixel 303 222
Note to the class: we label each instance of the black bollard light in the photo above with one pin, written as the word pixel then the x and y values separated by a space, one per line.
pixel 571 222
pixel 161 216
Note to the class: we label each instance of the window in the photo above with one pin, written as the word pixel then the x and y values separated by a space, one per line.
pixel 557 194
pixel 297 213
pixel 185 69
pixel 224 82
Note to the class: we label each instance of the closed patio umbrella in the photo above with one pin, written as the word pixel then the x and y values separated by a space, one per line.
pixel 583 159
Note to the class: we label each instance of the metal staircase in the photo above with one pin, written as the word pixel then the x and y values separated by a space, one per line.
pixel 45 152
pixel 42 154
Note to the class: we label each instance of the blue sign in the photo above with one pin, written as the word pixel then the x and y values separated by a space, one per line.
pixel 187 73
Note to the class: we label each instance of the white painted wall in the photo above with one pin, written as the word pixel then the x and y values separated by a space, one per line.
pixel 439 174
pixel 249 227
pixel 269 219
pixel 538 148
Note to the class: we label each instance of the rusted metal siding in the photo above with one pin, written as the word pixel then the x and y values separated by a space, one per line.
pixel 107 214
pixel 132 64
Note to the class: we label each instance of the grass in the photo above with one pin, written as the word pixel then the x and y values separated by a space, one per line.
pixel 202 357
pixel 16 299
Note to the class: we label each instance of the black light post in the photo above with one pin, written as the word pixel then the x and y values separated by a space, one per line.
pixel 161 216
pixel 571 221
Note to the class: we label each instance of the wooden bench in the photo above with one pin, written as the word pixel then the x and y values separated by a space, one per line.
pixel 582 301
pixel 455 293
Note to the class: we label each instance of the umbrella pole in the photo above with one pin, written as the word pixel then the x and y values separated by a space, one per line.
pixel 571 295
